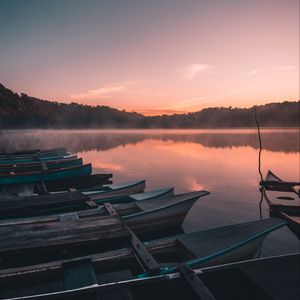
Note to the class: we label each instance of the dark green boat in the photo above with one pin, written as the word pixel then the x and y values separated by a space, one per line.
pixel 36 176
pixel 33 159
pixel 41 166
pixel 30 152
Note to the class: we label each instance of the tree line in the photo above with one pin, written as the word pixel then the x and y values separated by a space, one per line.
pixel 23 111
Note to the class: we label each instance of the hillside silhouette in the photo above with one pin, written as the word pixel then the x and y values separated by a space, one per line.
pixel 23 111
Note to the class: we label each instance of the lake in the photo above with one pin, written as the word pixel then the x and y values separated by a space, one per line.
pixel 224 162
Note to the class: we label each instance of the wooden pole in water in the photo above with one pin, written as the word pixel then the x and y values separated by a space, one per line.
pixel 260 144
pixel 259 166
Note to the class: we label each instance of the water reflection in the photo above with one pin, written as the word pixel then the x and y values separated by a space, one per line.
pixel 87 140
pixel 221 161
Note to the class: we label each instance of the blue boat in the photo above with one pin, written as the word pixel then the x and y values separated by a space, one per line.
pixel 33 159
pixel 83 276
pixel 71 201
pixel 56 174
pixel 40 152
pixel 40 166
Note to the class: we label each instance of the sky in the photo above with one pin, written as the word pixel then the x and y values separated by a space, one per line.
pixel 152 56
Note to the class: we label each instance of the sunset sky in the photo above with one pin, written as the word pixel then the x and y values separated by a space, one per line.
pixel 152 56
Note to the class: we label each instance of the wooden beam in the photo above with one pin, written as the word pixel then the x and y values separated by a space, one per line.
pixel 91 204
pixel 195 283
pixel 144 256
pixel 73 216
pixel 279 183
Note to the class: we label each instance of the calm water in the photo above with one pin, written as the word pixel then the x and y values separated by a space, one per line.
pixel 223 162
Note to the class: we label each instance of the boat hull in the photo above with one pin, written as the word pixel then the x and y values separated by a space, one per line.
pixel 30 152
pixel 132 189
pixel 108 267
pixel 90 230
pixel 34 159
pixel 38 167
pixel 161 219
pixel 84 170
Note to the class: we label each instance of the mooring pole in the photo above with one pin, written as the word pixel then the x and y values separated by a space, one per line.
pixel 260 144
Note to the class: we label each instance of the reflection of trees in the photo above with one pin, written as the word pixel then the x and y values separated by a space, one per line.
pixel 78 141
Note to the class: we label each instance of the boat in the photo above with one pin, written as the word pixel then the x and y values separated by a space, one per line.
pixel 74 201
pixel 36 176
pixel 39 192
pixel 60 151
pixel 33 159
pixel 34 155
pixel 45 187
pixel 113 274
pixel 104 226
pixel 273 183
pixel 293 221
pixel 40 166
pixel 283 200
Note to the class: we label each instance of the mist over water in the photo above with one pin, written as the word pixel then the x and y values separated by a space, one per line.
pixel 223 162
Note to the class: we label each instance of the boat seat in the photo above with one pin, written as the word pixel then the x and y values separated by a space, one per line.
pixel 68 217
pixel 78 274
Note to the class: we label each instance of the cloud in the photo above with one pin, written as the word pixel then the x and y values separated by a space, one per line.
pixel 278 68
pixel 283 68
pixel 106 91
pixel 193 70
pixel 101 92
pixel 255 71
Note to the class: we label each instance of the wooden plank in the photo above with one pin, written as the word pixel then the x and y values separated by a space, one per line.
pixel 14 205
pixel 144 256
pixel 79 274
pixel 195 283
pixel 68 217
pixel 55 235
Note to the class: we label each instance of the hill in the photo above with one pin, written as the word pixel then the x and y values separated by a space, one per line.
pixel 23 111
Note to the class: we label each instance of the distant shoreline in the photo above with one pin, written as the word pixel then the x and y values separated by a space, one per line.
pixel 149 129
pixel 26 112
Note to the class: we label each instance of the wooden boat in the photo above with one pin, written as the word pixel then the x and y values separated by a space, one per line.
pixel 108 273
pixel 274 183
pixel 36 176
pixel 40 166
pixel 95 192
pixel 74 201
pixel 37 155
pixel 33 159
pixel 283 200
pixel 84 231
pixel 60 151
pixel 44 187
